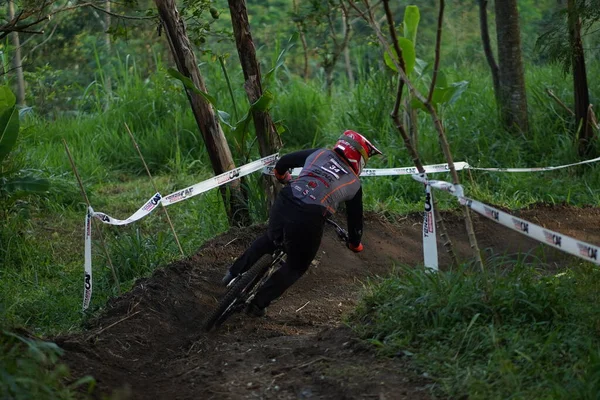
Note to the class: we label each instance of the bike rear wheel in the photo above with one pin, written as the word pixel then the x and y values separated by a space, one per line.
pixel 237 295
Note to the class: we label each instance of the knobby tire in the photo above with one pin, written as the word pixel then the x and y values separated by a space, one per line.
pixel 239 289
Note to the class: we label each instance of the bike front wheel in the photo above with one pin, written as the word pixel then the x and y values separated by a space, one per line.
pixel 237 295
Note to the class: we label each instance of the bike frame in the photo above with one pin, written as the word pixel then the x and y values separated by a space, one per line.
pixel 241 296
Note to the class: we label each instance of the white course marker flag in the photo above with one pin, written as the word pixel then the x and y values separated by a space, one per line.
pixel 430 251
pixel 87 276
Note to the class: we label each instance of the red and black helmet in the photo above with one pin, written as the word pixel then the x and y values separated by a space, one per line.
pixel 356 148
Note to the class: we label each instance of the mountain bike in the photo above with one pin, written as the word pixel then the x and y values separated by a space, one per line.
pixel 242 289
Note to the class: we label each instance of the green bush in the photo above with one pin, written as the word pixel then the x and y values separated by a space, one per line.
pixel 30 369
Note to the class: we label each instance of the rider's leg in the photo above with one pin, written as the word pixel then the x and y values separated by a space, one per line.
pixel 261 246
pixel 265 244
pixel 301 241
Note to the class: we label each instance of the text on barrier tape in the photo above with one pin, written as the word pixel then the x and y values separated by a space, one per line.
pixel 151 204
pixel 578 248
pixel 188 192
pixel 565 243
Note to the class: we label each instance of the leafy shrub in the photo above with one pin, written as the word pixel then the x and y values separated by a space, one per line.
pixel 30 369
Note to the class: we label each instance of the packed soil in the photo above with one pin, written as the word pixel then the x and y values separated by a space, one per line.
pixel 149 343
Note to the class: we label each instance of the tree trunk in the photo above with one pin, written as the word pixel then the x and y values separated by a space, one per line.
pixel 269 141
pixel 305 71
pixel 345 26
pixel 580 86
pixel 513 98
pixel 487 48
pixel 17 61
pixel 214 139
pixel 300 27
pixel 330 60
pixel 108 44
pixel 328 69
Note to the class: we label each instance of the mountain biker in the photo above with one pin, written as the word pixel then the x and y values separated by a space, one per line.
pixel 298 215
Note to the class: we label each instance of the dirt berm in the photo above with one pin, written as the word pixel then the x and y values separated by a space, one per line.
pixel 148 343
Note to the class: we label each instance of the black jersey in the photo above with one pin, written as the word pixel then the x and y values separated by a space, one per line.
pixel 325 181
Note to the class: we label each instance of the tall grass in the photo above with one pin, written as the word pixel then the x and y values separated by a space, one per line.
pixel 505 333
pixel 305 111
pixel 155 108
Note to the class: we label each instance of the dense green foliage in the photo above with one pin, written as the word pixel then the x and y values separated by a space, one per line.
pixel 30 369
pixel 506 333
pixel 41 236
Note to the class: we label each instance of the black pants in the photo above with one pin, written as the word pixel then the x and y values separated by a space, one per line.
pixel 300 230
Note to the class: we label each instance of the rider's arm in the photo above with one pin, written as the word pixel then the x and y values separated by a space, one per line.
pixel 292 160
pixel 354 211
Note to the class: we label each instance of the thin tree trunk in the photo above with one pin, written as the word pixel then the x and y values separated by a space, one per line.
pixel 338 48
pixel 404 81
pixel 17 61
pixel 580 86
pixel 513 98
pixel 108 45
pixel 300 28
pixel 305 51
pixel 214 139
pixel 345 26
pixel 328 79
pixel 269 141
pixel 487 48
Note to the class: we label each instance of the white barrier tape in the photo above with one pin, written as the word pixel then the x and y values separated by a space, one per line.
pixel 458 166
pixel 430 251
pixel 269 171
pixel 151 204
pixel 144 210
pixel 188 192
pixel 567 244
pixel 87 277
pixel 218 180
pixel 537 169
pixel 412 170
pixel 455 190
pixel 390 171
pixel 586 251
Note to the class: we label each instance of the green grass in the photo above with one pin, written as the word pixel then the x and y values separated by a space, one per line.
pixel 41 283
pixel 155 109
pixel 481 335
pixel 508 333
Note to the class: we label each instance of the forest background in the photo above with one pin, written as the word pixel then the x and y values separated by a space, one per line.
pixel 89 70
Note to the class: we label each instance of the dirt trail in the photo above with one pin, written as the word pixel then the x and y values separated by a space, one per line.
pixel 148 343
